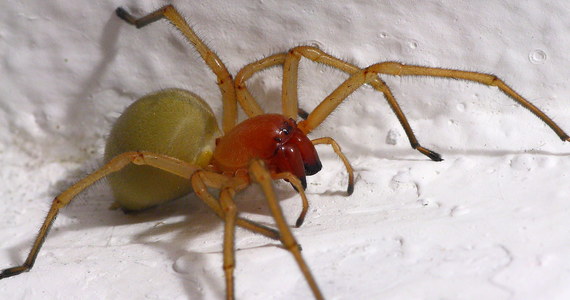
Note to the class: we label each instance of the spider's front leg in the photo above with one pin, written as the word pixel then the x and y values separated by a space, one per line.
pixel 225 207
pixel 258 172
pixel 370 76
pixel 289 97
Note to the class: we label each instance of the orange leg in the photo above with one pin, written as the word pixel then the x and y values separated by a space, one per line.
pixel 290 100
pixel 290 62
pixel 244 97
pixel 230 215
pixel 202 179
pixel 259 173
pixel 289 97
pixel 397 69
pixel 299 187
pixel 225 81
pixel 159 161
pixel 338 151
pixel 226 209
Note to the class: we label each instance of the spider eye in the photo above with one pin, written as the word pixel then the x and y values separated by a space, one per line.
pixel 285 129
pixel 277 139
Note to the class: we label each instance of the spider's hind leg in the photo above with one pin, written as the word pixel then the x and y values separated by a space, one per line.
pixel 224 78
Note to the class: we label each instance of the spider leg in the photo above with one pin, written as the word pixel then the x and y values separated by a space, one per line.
pixel 160 161
pixel 290 62
pixel 244 97
pixel 397 69
pixel 225 81
pixel 225 208
pixel 199 187
pixel 202 179
pixel 259 173
pixel 230 214
pixel 290 79
pixel 338 151
pixel 299 188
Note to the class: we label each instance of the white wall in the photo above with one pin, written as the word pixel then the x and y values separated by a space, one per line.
pixel 489 222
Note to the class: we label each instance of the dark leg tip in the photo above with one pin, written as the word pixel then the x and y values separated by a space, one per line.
pixel 350 189
pixel 300 221
pixel 13 271
pixel 126 16
pixel 432 155
pixel 435 156
pixel 121 13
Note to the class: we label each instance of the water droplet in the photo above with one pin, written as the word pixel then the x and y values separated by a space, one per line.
pixel 383 35
pixel 537 56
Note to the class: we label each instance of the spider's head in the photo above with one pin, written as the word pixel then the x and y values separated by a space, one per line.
pixel 295 152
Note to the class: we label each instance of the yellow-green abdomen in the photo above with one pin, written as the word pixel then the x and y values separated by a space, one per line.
pixel 174 122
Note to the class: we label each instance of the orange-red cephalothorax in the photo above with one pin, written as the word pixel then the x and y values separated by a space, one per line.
pixel 273 138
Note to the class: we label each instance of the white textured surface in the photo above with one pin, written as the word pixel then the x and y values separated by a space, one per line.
pixel 492 221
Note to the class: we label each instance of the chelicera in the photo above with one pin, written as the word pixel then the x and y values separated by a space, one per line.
pixel 168 143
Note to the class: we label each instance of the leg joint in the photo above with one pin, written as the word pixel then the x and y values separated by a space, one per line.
pixel 227 267
pixel 138 158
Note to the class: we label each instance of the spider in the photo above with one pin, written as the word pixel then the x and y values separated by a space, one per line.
pixel 147 162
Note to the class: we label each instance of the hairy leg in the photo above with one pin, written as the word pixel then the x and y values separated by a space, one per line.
pixel 289 97
pixel 163 162
pixel 338 151
pixel 202 179
pixel 259 173
pixel 368 75
pixel 225 81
